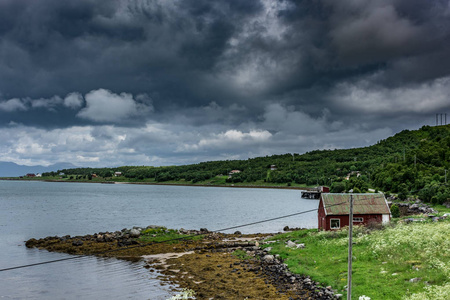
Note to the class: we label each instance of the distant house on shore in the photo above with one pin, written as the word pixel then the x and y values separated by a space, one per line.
pixel 334 209
pixel 358 173
pixel 117 174
pixel 232 172
pixel 273 167
pixel 30 175
pixel 38 175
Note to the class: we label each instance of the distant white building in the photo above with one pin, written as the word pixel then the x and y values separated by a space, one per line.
pixel 38 175
pixel 234 172
pixel 273 167
pixel 117 174
pixel 358 173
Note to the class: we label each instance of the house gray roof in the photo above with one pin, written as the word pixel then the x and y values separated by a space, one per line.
pixel 363 204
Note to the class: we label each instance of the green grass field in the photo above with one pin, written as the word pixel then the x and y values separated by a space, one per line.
pixel 162 234
pixel 405 261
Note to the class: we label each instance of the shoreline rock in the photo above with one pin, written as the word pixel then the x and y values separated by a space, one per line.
pixel 261 265
pixel 411 208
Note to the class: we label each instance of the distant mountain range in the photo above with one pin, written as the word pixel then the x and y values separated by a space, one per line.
pixel 10 169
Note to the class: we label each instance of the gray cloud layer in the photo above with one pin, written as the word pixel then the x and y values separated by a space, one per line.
pixel 169 82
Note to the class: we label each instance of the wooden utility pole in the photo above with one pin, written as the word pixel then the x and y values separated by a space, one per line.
pixel 350 248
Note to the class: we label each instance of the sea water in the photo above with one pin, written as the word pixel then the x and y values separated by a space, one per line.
pixel 33 209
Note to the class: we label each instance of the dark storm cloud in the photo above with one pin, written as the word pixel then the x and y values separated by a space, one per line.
pixel 356 35
pixel 60 47
pixel 176 49
pixel 174 81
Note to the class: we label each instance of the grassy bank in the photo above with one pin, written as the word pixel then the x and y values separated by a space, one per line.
pixel 162 234
pixel 404 261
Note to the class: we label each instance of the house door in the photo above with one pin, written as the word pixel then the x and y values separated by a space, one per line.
pixel 385 219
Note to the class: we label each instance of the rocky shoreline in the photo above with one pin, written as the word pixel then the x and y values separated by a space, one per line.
pixel 217 266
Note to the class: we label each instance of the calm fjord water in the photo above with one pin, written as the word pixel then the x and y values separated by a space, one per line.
pixel 39 209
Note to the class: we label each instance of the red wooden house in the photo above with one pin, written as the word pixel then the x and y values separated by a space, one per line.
pixel 334 210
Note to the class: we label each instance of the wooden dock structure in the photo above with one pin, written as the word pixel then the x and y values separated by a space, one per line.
pixel 311 194
pixel 315 192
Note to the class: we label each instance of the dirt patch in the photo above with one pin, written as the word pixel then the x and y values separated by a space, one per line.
pixel 219 276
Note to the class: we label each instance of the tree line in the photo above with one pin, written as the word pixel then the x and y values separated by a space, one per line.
pixel 408 163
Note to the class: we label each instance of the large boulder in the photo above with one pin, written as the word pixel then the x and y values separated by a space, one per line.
pixel 291 244
pixel 268 258
pixel 135 233
pixel 77 243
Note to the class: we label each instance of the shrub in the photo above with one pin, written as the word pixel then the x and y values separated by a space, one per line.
pixel 337 187
pixel 395 211
pixel 434 200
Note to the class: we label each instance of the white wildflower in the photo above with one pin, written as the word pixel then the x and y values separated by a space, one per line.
pixel 185 294
pixel 433 292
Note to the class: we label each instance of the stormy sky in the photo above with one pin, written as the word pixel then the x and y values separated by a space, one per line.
pixel 157 82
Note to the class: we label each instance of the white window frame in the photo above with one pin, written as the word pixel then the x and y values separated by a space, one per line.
pixel 358 220
pixel 339 223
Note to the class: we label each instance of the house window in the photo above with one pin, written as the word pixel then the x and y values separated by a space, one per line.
pixel 335 223
pixel 358 220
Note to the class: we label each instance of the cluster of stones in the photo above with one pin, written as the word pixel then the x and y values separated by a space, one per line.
pixel 416 208
pixel 193 232
pixel 296 245
pixel 287 228
pixel 277 273
pixel 125 237
pixel 431 216
pixel 273 267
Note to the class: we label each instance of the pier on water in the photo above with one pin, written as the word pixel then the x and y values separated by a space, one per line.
pixel 315 193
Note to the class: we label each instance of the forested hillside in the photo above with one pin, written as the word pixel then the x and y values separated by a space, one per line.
pixel 411 162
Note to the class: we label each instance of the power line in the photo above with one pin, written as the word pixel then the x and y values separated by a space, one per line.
pixel 42 263
pixel 170 240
